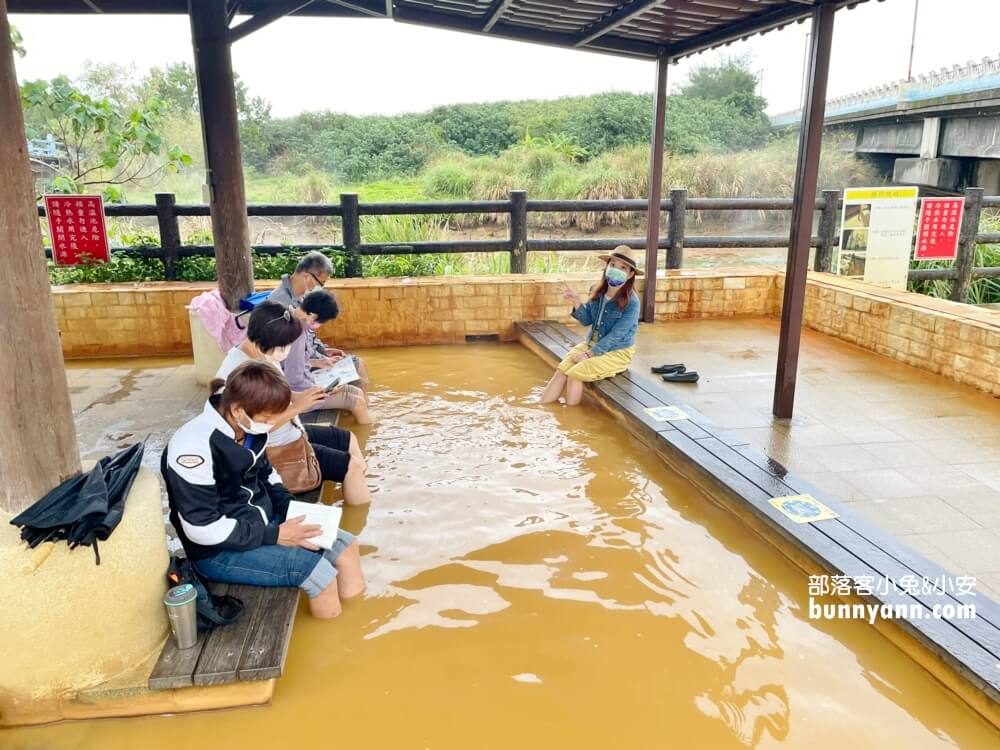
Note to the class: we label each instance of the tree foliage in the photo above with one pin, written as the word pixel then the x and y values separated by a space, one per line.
pixel 106 147
pixel 17 41
pixel 476 129
pixel 716 110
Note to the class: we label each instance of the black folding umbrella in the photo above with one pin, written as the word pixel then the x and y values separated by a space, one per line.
pixel 86 507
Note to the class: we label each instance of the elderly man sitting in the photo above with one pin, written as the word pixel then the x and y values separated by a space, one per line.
pixel 312 272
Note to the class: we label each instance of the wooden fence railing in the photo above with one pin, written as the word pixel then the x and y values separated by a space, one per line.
pixel 518 244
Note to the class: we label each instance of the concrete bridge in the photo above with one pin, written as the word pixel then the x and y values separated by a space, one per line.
pixel 941 130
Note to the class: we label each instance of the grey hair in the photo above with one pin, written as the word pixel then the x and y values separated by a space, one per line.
pixel 314 262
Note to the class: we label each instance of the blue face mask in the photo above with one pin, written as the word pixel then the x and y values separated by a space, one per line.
pixel 615 276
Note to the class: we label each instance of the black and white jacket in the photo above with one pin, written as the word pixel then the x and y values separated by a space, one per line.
pixel 222 494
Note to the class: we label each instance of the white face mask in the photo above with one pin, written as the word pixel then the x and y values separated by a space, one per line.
pixel 255 428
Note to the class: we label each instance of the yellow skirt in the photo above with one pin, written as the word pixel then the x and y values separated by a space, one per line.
pixel 596 368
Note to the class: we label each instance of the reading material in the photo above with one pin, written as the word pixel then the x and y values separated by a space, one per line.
pixel 344 369
pixel 326 516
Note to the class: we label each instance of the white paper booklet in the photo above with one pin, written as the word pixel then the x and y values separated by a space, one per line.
pixel 326 516
pixel 344 369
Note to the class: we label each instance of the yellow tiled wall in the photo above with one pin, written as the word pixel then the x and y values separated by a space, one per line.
pixel 958 341
pixel 961 342
pixel 115 319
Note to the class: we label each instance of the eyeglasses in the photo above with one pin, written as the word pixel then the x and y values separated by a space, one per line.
pixel 316 279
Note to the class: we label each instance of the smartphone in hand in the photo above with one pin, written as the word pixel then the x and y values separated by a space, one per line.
pixel 333 384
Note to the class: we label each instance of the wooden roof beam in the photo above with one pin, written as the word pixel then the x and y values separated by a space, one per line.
pixel 610 45
pixel 265 17
pixel 495 12
pixel 613 20
pixel 363 8
pixel 759 23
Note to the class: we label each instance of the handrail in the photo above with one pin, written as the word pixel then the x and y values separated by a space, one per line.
pixel 517 207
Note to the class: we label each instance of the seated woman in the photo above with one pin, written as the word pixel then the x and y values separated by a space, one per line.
pixel 228 505
pixel 317 308
pixel 613 314
pixel 270 334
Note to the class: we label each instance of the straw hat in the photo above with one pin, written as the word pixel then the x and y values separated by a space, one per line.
pixel 624 254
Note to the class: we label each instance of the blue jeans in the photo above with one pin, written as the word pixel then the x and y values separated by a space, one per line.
pixel 277 565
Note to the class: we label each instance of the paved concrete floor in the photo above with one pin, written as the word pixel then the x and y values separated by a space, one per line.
pixel 119 401
pixel 914 452
pixel 917 454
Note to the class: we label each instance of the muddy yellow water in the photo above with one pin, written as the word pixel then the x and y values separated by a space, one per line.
pixel 539 579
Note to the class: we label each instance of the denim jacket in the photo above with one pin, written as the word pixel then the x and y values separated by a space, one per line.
pixel 615 328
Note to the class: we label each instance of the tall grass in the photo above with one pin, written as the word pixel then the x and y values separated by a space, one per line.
pixel 547 172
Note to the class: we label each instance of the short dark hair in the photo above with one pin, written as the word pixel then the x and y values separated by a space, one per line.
pixel 322 304
pixel 314 262
pixel 272 326
pixel 256 387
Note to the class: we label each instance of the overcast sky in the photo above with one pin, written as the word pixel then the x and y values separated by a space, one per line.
pixel 370 66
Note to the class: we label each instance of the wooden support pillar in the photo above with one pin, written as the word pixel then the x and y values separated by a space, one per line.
pixel 518 231
pixel 803 209
pixel 965 261
pixel 38 441
pixel 655 187
pixel 221 133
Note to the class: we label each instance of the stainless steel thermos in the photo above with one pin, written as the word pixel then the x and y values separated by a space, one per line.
pixel 182 609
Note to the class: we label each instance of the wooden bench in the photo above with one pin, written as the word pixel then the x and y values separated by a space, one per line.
pixel 252 648
pixel 848 545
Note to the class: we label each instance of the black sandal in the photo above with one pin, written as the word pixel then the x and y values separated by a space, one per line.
pixel 663 369
pixel 682 377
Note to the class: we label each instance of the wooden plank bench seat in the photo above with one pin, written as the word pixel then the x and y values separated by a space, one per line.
pixel 252 648
pixel 848 545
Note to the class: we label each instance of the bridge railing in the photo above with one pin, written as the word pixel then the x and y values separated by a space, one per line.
pixel 518 244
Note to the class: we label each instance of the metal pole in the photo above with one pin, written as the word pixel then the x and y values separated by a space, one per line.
pixel 803 208
pixel 913 40
pixel 655 187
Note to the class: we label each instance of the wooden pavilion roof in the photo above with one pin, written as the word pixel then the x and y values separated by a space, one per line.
pixel 632 28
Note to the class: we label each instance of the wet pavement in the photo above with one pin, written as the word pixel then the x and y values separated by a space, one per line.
pixel 916 453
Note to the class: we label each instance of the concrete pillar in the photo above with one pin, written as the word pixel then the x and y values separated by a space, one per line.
pixel 931 139
pixel 38 443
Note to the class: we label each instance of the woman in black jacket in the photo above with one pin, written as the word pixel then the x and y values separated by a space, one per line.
pixel 228 504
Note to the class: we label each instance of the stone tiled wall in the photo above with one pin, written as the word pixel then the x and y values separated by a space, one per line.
pixel 112 320
pixel 957 341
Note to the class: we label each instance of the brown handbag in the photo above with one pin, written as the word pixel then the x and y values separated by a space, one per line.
pixel 297 465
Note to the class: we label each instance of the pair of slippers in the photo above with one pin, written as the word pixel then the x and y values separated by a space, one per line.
pixel 676 373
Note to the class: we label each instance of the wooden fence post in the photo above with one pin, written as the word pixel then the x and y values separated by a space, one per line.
pixel 966 258
pixel 518 231
pixel 351 224
pixel 828 239
pixel 678 212
pixel 170 233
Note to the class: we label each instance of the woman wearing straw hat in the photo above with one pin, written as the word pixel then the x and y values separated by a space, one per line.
pixel 613 314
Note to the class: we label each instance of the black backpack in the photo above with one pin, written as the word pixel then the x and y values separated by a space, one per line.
pixel 214 610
